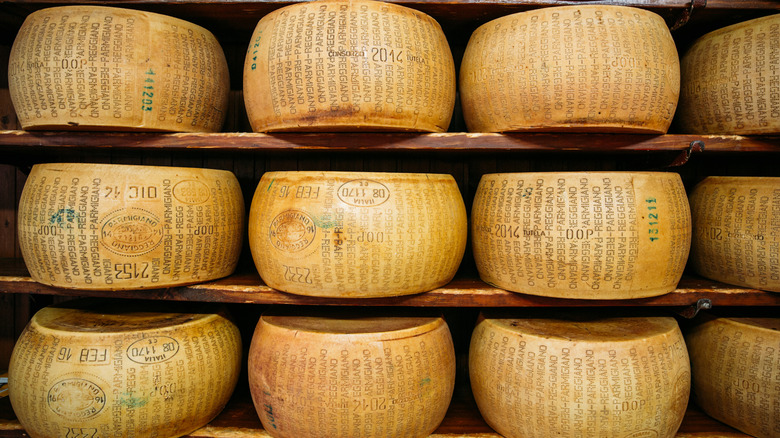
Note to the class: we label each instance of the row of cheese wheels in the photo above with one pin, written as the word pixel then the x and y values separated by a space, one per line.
pixel 112 370
pixel 365 65
pixel 590 235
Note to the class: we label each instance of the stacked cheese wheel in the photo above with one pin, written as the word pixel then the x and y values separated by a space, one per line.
pixel 736 372
pixel 730 80
pixel 123 369
pixel 589 235
pixel 113 227
pixel 98 68
pixel 347 66
pixel 587 376
pixel 735 237
pixel 572 68
pixel 321 376
pixel 357 234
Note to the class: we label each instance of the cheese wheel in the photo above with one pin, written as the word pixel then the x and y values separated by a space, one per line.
pixel 118 227
pixel 123 369
pixel 571 68
pixel 318 376
pixel 731 80
pixel 593 377
pixel 357 234
pixel 587 235
pixel 736 236
pixel 333 65
pixel 99 68
pixel 736 372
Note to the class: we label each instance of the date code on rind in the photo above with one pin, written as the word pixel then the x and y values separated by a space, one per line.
pixel 363 193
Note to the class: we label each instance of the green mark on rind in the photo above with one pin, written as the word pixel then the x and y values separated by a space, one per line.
pixel 127 399
pixel 62 216
pixel 324 222
pixel 269 185
pixel 425 381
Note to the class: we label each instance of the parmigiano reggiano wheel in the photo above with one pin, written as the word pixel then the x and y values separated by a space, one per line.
pixel 571 68
pixel 123 369
pixel 115 227
pixel 333 65
pixel 736 238
pixel 594 377
pixel 730 80
pixel 320 376
pixel 99 68
pixel 357 234
pixel 587 235
pixel 736 372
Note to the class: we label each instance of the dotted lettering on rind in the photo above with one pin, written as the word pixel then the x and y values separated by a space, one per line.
pixel 357 235
pixel 356 64
pixel 93 67
pixel 350 387
pixel 576 388
pixel 737 231
pixel 98 230
pixel 731 80
pixel 736 373
pixel 580 67
pixel 581 235
pixel 156 397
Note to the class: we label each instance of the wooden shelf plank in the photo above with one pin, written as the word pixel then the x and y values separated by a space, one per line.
pixel 247 287
pixel 239 420
pixel 33 141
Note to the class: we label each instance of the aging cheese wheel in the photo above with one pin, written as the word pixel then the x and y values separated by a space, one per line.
pixel 115 227
pixel 573 68
pixel 736 372
pixel 731 80
pixel 585 377
pixel 123 369
pixel 346 66
pixel 357 234
pixel 320 376
pixel 736 236
pixel 99 68
pixel 588 235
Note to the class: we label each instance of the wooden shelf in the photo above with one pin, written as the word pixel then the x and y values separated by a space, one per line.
pixel 35 141
pixel 240 16
pixel 247 287
pixel 239 420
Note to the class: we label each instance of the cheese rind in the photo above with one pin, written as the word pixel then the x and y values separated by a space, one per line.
pixel 357 234
pixel 119 227
pixel 349 66
pixel 580 376
pixel 116 369
pixel 370 376
pixel 729 80
pixel 734 239
pixel 585 235
pixel 591 68
pixel 736 370
pixel 101 68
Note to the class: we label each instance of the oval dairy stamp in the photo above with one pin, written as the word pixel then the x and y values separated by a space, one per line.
pixel 95 369
pixel 349 66
pixel 322 376
pixel 114 227
pixel 588 235
pixel 731 80
pixel 99 68
pixel 594 377
pixel 575 68
pixel 736 372
pixel 736 237
pixel 357 234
